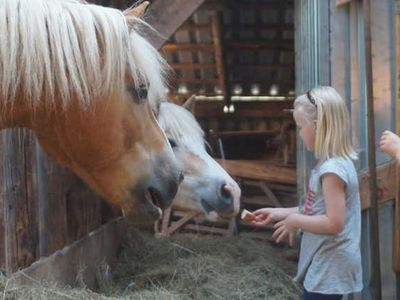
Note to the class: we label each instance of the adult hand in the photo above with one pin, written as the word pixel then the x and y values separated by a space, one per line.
pixel 390 144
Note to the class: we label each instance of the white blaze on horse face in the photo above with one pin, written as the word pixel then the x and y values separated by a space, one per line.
pixel 207 187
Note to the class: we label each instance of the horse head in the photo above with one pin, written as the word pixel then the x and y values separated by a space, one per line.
pixel 206 187
pixel 92 112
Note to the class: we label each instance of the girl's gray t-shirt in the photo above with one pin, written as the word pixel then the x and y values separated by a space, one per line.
pixel 331 264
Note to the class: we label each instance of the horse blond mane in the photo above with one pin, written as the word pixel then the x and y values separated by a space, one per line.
pixel 181 126
pixel 55 49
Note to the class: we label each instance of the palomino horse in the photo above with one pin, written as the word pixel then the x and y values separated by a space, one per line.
pixel 79 76
pixel 206 187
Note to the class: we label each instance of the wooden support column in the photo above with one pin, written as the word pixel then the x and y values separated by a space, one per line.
pixel 220 62
pixel 342 2
pixel 396 235
pixel 167 16
pixel 2 193
pixel 279 36
pixel 374 224
pixel 52 212
pixel 19 196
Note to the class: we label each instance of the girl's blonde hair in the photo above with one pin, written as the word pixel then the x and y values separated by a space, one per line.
pixel 332 137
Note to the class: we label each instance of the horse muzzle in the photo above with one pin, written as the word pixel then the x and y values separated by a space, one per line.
pixel 154 196
pixel 225 203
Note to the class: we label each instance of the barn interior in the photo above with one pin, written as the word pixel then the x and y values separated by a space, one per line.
pixel 237 58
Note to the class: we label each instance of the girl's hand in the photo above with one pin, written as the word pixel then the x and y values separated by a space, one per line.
pixel 285 228
pixel 390 144
pixel 265 216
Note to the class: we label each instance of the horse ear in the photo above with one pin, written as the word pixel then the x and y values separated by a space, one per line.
pixel 189 103
pixel 135 12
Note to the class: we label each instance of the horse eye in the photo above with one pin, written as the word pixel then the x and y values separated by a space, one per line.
pixel 172 143
pixel 139 94
pixel 142 92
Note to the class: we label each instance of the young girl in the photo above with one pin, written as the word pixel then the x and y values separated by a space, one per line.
pixel 330 219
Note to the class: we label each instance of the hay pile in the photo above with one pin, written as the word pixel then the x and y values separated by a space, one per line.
pixel 183 267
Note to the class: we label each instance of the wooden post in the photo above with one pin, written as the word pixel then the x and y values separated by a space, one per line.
pixel 20 223
pixel 167 16
pixel 2 191
pixel 52 211
pixel 396 235
pixel 219 50
pixel 374 229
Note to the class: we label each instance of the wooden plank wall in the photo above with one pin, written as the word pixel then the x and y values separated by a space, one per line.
pixel 66 203
pixel 396 235
pixel 44 206
pixel 2 240
pixel 348 67
pixel 19 199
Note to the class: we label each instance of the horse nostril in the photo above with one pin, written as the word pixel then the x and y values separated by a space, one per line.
pixel 225 204
pixel 181 177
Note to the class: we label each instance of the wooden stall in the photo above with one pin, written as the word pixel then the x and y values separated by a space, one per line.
pixel 44 206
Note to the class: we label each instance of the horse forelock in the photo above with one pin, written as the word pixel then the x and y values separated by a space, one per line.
pixel 180 125
pixel 54 50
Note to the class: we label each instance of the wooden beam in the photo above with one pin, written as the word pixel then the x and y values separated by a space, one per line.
pixel 165 220
pixel 244 109
pixel 279 37
pixel 19 199
pixel 240 5
pixel 195 27
pixel 2 208
pixel 255 45
pixel 342 2
pixel 266 134
pixel 262 67
pixel 266 82
pixel 217 36
pixel 262 26
pixel 188 47
pixel 373 215
pixel 174 226
pixel 396 234
pixel 167 16
pixel 249 45
pixel 195 80
pixel 173 95
pixel 192 66
pixel 260 170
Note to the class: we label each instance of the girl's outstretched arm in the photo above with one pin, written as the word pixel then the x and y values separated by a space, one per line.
pixel 267 215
